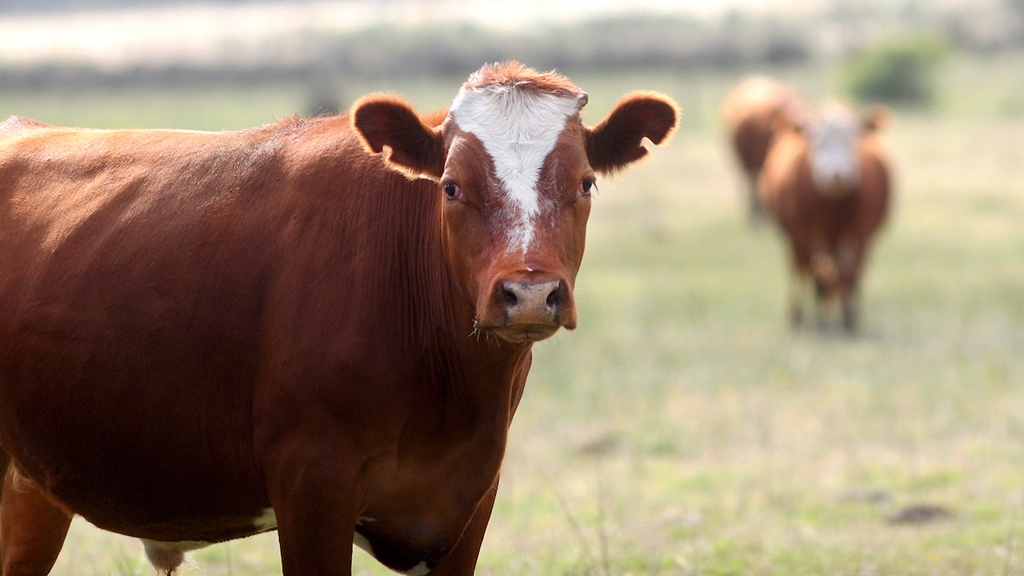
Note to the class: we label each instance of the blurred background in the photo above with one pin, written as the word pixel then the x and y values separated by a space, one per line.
pixel 684 427
pixel 308 56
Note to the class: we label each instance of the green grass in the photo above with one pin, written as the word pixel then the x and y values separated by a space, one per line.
pixel 684 428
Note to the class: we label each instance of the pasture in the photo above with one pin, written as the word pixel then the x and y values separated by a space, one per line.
pixel 684 428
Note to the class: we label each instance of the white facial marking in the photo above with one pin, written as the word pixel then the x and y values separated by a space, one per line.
pixel 833 139
pixel 518 129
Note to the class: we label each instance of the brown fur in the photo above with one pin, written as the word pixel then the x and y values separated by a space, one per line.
pixel 201 326
pixel 511 74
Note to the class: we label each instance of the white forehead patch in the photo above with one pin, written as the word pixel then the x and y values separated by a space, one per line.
pixel 518 129
pixel 833 140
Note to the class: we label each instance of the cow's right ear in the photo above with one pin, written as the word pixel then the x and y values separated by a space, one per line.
pixel 386 123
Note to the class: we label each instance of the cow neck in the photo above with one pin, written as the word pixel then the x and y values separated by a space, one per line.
pixel 420 322
pixel 460 362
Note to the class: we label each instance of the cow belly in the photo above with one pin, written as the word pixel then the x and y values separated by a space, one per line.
pixel 167 556
pixel 153 445
pixel 137 519
pixel 137 489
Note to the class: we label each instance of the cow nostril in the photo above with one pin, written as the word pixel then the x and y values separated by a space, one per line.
pixel 508 297
pixel 555 297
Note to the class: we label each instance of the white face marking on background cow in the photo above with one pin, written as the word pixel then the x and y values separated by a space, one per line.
pixel 518 129
pixel 833 139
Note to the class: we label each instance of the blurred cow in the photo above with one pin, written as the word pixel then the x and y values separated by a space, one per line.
pixel 751 112
pixel 826 181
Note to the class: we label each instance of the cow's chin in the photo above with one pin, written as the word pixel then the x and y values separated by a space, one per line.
pixel 525 333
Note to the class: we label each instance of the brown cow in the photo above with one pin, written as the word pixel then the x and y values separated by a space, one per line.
pixel 210 335
pixel 827 184
pixel 751 112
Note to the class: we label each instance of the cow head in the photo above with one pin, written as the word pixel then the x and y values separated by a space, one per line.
pixel 515 167
pixel 834 136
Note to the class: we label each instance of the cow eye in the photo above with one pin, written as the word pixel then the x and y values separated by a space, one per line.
pixel 451 191
pixel 585 187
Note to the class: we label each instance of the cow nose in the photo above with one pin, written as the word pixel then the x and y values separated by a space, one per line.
pixel 533 302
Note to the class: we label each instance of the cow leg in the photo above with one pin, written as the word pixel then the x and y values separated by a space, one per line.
pixel 461 561
pixel 312 545
pixel 32 528
pixel 849 257
pixel 829 282
pixel 754 203
pixel 315 506
pixel 851 315
pixel 797 296
pixel 801 280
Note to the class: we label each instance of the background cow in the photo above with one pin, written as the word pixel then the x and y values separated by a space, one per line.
pixel 826 182
pixel 751 112
pixel 210 335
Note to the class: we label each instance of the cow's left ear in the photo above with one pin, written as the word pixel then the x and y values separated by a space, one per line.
pixel 385 121
pixel 617 141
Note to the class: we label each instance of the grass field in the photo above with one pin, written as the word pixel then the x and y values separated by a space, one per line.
pixel 684 428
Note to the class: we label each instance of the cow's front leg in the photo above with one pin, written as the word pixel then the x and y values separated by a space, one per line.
pixel 32 528
pixel 315 505
pixel 799 284
pixel 462 559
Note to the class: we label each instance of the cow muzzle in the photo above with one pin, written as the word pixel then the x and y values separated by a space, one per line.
pixel 527 309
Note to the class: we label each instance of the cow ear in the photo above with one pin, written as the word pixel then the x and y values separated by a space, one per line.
pixel 791 118
pixel 617 141
pixel 877 118
pixel 386 123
